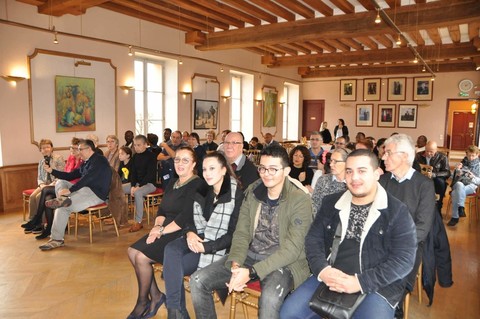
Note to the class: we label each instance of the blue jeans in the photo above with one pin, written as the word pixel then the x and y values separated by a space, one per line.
pixel 178 261
pixel 296 305
pixel 275 287
pixel 139 195
pixel 459 194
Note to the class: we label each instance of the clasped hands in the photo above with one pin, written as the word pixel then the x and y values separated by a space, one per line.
pixel 238 280
pixel 338 281
pixel 153 235
pixel 195 243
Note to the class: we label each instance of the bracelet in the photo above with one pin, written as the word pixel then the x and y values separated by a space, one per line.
pixel 158 225
pixel 160 231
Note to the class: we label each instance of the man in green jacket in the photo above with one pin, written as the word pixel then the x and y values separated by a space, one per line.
pixel 268 243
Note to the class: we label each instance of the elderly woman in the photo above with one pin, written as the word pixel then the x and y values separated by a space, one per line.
pixel 209 237
pixel 48 192
pixel 299 160
pixel 331 183
pixel 174 213
pixel 466 179
pixel 44 179
pixel 112 151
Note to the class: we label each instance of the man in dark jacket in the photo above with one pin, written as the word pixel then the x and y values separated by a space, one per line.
pixel 376 250
pixel 244 169
pixel 91 189
pixel 440 170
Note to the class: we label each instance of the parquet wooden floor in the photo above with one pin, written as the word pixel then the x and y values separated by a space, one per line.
pixel 83 280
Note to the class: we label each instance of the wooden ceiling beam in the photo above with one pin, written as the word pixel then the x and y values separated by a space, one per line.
pixel 394 3
pixel 285 49
pixel 352 43
pixel 431 15
pixel 417 37
pixel 434 36
pixel 230 11
pixel 367 4
pixel 476 43
pixel 298 47
pixel 313 47
pixel 473 30
pixel 449 51
pixel 367 42
pixel 338 45
pixel 383 40
pixel 274 8
pixel 454 32
pixel 324 46
pixel 253 10
pixel 381 70
pixel 58 8
pixel 298 7
pixel 320 6
pixel 344 5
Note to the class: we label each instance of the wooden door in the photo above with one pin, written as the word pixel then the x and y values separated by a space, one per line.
pixel 463 129
pixel 313 115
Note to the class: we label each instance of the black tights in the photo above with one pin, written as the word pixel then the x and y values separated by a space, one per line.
pixel 147 286
pixel 48 192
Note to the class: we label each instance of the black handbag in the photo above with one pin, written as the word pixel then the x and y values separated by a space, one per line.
pixel 330 304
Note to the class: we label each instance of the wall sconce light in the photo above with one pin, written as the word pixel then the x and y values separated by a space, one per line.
pixel 13 79
pixel 185 93
pixel 82 62
pixel 127 88
pixel 130 53
pixel 281 104
pixel 258 102
pixel 55 40
pixel 225 97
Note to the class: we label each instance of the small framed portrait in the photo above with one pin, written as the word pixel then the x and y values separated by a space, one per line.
pixel 386 115
pixel 348 90
pixel 407 115
pixel 205 115
pixel 396 89
pixel 364 115
pixel 422 89
pixel 372 89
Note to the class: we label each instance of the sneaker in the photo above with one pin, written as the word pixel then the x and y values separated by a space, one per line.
pixel 461 211
pixel 43 235
pixel 62 201
pixel 452 222
pixel 52 244
pixel 27 224
pixel 36 229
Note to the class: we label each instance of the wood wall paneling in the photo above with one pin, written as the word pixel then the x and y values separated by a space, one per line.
pixel 13 180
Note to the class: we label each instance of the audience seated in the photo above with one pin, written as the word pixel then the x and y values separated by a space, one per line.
pixel 112 151
pixel 125 155
pixel 167 133
pixel 91 189
pixel 269 141
pixel 208 237
pixel 129 140
pixel 152 140
pixel 44 179
pixel 223 135
pixel 244 169
pixel 421 142
pixel 185 136
pixel 174 212
pixel 142 178
pixel 299 159
pixel 255 144
pixel 316 151
pixel 194 142
pixel 210 145
pixel 365 144
pixel 94 139
pixel 325 132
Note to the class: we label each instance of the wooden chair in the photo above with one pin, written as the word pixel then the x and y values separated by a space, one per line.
pixel 253 156
pixel 248 298
pixel 26 201
pixel 471 201
pixel 151 201
pixel 406 304
pixel 95 211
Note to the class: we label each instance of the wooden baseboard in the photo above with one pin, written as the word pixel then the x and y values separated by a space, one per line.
pixel 13 180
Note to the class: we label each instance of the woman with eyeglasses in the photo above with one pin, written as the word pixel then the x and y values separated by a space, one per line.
pixel 174 213
pixel 208 237
pixel 331 183
pixel 300 158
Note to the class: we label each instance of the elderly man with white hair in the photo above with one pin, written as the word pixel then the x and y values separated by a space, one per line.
pixel 412 188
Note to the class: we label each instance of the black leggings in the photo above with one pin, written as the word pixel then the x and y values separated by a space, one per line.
pixel 48 192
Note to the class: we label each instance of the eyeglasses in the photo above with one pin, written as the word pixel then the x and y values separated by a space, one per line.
pixel 334 161
pixel 232 143
pixel 82 148
pixel 390 153
pixel 271 170
pixel 315 139
pixel 184 160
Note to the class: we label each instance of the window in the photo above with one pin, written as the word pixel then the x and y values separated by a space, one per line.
pixel 241 103
pixel 149 97
pixel 290 112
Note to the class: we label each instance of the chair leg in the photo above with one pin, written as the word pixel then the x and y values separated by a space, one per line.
pixel 76 224
pixel 406 306
pixel 115 225
pixel 100 220
pixel 419 282
pixel 233 304
pixel 90 225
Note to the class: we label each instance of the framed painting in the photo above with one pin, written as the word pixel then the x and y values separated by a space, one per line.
pixel 396 89
pixel 205 115
pixel 407 115
pixel 422 89
pixel 348 90
pixel 74 104
pixel 372 89
pixel 386 115
pixel 269 106
pixel 364 115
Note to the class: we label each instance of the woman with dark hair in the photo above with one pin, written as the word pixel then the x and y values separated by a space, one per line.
pixel 341 129
pixel 209 237
pixel 300 158
pixel 194 142
pixel 325 132
pixel 380 150
pixel 174 213
pixel 125 154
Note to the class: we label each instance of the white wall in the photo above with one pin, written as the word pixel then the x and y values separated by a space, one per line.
pixel 431 114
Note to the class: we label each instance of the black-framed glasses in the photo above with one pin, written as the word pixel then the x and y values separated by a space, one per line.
pixel 232 143
pixel 334 161
pixel 271 170
pixel 184 160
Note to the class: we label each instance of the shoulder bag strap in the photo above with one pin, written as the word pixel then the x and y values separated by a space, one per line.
pixel 336 243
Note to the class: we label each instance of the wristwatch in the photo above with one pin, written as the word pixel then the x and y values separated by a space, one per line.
pixel 252 273
pixel 160 230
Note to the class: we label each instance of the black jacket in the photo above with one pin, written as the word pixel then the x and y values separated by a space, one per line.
pixel 439 162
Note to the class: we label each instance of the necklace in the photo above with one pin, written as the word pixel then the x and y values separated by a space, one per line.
pixel 178 184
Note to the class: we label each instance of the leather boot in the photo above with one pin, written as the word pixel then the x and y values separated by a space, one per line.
pixel 461 211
